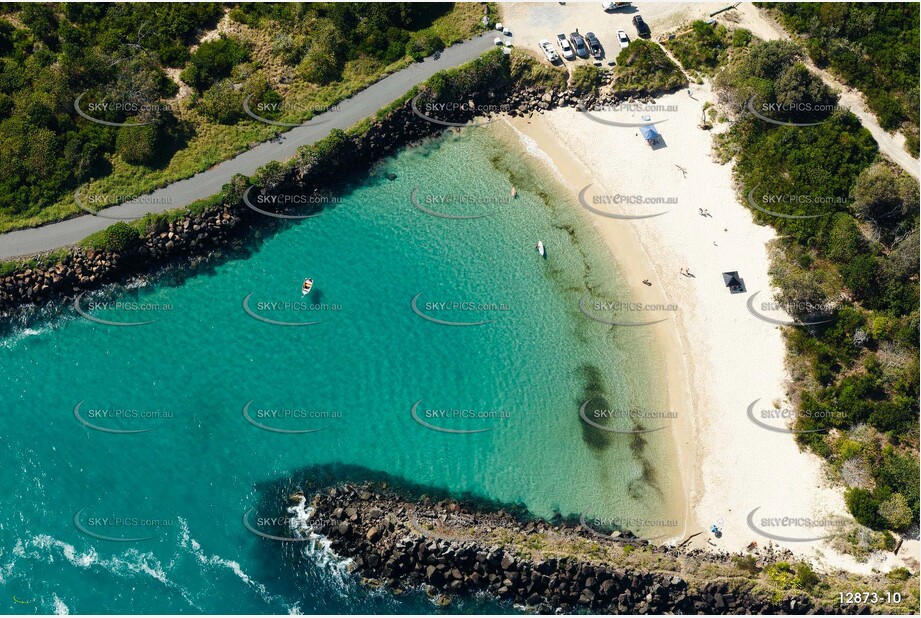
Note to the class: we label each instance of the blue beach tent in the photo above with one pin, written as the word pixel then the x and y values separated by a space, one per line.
pixel 650 134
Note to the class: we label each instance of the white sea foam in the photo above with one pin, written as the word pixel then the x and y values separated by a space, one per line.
pixel 131 563
pixel 318 548
pixel 532 148
pixel 60 608
pixel 187 542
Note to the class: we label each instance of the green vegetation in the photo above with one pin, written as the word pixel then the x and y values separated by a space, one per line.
pixel 644 67
pixel 134 64
pixel 212 61
pixel 705 46
pixel 854 261
pixel 118 237
pixel 45 260
pixel 786 576
pixel 871 46
pixel 587 78
pixel 527 70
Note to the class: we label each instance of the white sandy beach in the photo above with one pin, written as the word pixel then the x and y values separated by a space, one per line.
pixel 719 357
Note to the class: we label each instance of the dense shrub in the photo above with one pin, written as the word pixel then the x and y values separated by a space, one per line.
pixel 423 43
pixel 644 67
pixel 222 103
pixel 212 61
pixel 587 78
pixel 118 237
pixel 527 71
pixel 704 46
pixel 137 145
pixel 871 46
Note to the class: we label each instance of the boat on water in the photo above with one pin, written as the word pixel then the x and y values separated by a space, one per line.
pixel 540 248
pixel 308 284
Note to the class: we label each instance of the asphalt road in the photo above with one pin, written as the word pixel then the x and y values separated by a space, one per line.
pixel 209 182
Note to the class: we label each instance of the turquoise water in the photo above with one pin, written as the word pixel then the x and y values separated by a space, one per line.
pixel 354 376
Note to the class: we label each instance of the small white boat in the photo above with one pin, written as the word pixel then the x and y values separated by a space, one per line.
pixel 308 284
pixel 540 248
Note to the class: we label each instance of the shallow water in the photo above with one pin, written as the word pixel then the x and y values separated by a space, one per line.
pixel 508 389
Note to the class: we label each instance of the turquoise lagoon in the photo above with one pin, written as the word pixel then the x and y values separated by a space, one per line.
pixel 75 495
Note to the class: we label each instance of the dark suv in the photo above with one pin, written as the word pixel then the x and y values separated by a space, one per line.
pixel 641 28
pixel 593 44
pixel 578 44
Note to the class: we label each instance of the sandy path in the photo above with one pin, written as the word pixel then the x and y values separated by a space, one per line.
pixel 890 144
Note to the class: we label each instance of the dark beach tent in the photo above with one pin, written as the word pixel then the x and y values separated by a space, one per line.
pixel 650 134
pixel 732 281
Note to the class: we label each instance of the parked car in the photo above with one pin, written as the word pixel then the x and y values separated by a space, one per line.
pixel 578 44
pixel 623 39
pixel 565 47
pixel 641 28
pixel 548 50
pixel 613 6
pixel 594 45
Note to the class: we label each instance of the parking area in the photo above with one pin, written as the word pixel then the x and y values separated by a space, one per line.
pixel 532 21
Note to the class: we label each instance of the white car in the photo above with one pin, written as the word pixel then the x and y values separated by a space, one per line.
pixel 623 39
pixel 565 46
pixel 548 50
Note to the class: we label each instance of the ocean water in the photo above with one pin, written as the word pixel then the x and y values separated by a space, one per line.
pixel 131 455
